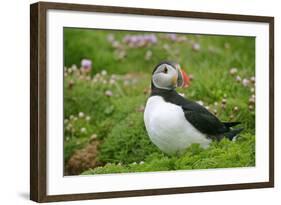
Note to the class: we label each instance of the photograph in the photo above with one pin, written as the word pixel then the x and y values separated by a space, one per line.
pixel 142 101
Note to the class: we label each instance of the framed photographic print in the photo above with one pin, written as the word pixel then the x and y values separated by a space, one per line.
pixel 134 102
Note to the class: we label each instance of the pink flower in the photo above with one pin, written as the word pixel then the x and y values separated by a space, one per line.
pixel 110 37
pixel 233 71
pixel 245 82
pixel 196 46
pixel 86 64
pixel 172 36
pixel 140 40
pixel 238 78
pixel 108 93
pixel 151 38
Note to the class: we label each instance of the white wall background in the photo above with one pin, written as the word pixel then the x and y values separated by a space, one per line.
pixel 14 101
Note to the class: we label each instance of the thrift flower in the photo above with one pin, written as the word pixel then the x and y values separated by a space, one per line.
pixel 83 130
pixel 108 93
pixel 81 114
pixel 86 65
pixel 233 71
pixel 245 82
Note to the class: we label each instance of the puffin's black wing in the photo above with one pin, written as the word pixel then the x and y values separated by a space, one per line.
pixel 197 115
pixel 201 118
pixel 205 123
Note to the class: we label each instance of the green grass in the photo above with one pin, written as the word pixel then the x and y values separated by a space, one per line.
pixel 117 120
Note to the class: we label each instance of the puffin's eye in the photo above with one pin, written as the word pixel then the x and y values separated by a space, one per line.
pixel 165 70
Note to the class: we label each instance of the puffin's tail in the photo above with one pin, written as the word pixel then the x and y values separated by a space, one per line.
pixel 233 133
pixel 231 124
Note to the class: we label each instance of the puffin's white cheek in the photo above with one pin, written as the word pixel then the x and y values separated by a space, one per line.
pixel 157 80
pixel 165 80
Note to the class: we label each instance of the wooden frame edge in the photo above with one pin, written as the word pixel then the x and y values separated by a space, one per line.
pixel 34 191
pixel 271 100
pixel 37 102
pixel 154 192
pixel 153 12
pixel 38 112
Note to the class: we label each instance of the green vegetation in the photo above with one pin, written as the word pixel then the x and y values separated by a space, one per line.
pixel 106 102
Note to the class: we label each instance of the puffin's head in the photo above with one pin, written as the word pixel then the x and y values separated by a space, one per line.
pixel 168 75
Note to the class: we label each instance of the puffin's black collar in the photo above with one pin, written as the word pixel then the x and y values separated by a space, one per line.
pixel 161 92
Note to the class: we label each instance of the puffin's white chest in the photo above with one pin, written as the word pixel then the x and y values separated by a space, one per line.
pixel 168 128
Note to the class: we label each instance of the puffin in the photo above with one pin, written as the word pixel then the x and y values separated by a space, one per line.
pixel 173 122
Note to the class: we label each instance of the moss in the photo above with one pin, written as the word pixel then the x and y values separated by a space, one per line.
pixel 223 154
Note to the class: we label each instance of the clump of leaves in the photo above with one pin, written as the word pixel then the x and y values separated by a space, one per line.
pixel 127 142
pixel 77 129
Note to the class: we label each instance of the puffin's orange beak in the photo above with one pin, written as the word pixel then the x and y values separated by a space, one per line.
pixel 186 79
